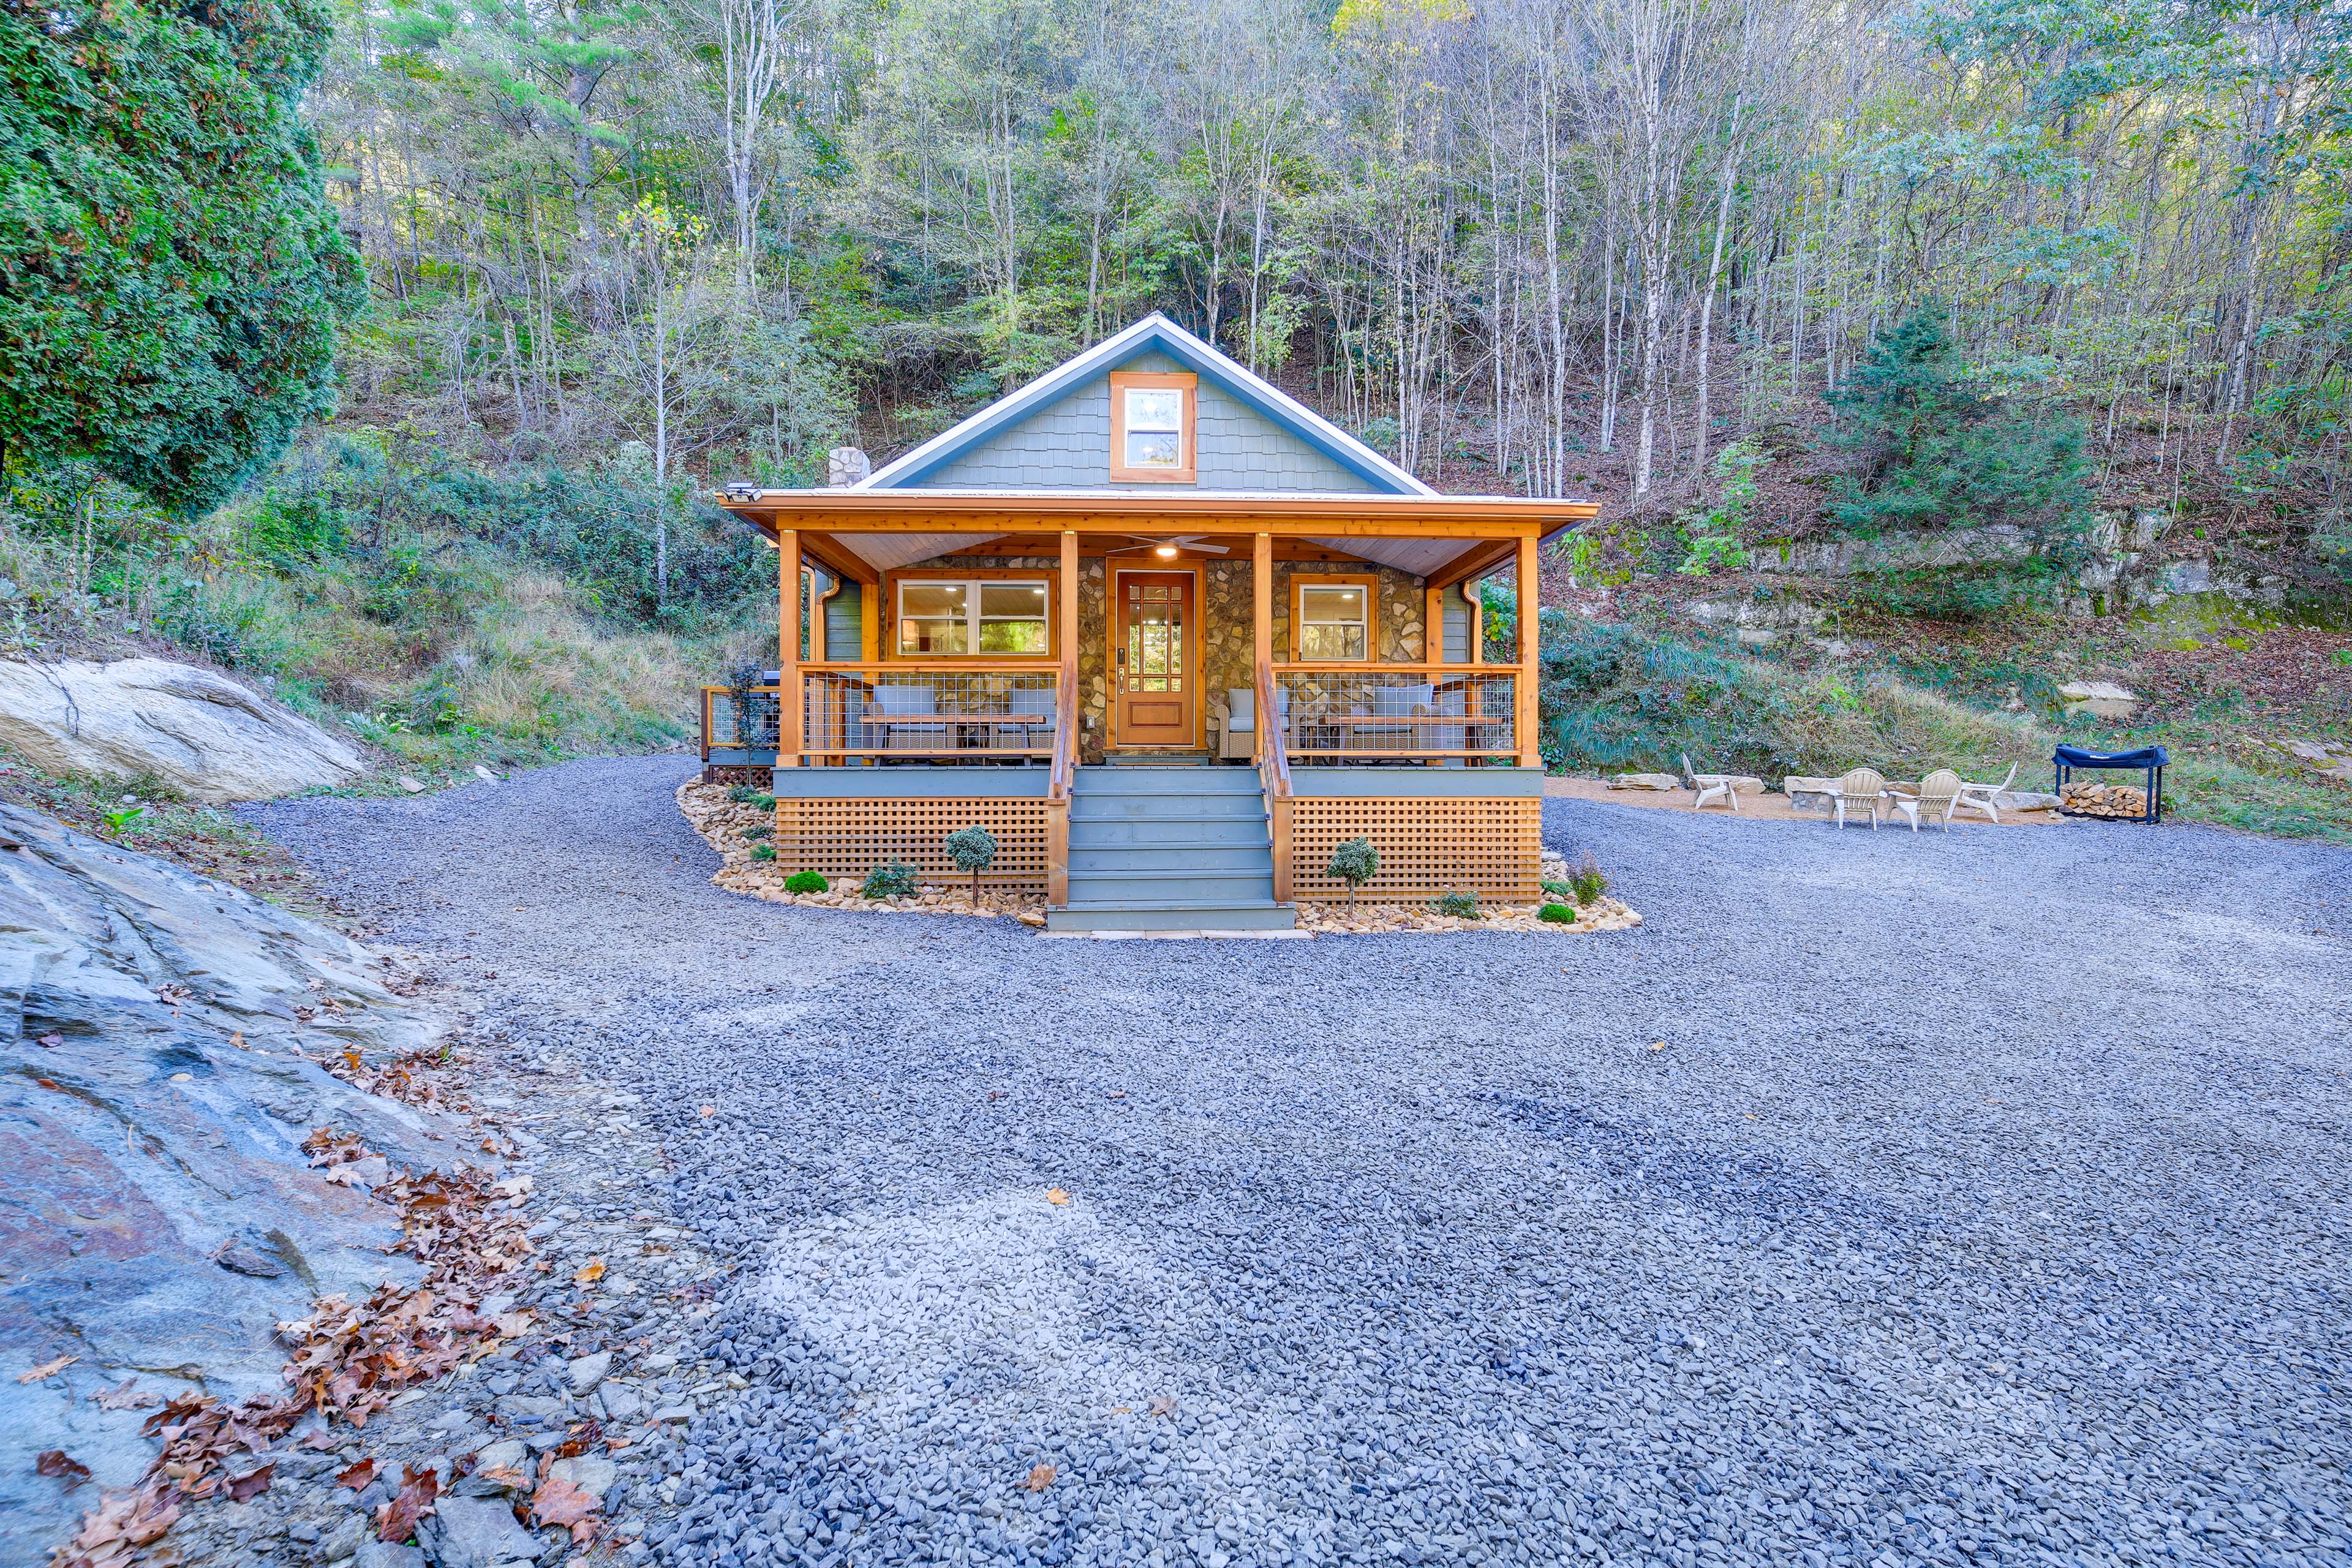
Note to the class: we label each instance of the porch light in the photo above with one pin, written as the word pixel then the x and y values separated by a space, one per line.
pixel 1165 552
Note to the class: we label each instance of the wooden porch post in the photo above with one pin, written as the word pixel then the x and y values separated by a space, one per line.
pixel 790 703
pixel 1057 803
pixel 1529 611
pixel 1261 626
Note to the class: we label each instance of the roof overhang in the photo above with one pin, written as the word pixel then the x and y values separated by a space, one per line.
pixel 1422 534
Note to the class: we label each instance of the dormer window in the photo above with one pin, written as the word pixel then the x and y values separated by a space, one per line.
pixel 1152 419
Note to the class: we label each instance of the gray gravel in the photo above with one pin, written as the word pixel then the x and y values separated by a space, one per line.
pixel 1882 1199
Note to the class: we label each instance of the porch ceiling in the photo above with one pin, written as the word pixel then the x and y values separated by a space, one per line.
pixel 888 551
pixel 1418 556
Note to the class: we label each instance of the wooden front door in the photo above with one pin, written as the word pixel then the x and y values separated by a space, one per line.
pixel 1154 660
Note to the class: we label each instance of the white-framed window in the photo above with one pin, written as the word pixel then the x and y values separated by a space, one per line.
pixel 1155 426
pixel 1334 621
pixel 949 618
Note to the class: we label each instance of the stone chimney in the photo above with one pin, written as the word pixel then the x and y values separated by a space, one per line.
pixel 846 466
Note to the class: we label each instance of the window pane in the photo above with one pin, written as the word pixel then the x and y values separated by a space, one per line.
pixel 1013 637
pixel 932 599
pixel 1329 604
pixel 1150 410
pixel 1331 642
pixel 917 636
pixel 1018 600
pixel 1146 449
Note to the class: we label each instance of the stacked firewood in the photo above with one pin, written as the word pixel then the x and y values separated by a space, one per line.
pixel 2103 800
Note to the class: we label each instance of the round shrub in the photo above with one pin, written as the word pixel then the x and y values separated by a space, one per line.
pixel 1460 906
pixel 1559 914
pixel 806 882
pixel 765 801
pixel 895 880
pixel 763 851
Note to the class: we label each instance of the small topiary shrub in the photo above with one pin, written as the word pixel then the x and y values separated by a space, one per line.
pixel 1559 914
pixel 806 882
pixel 973 849
pixel 1460 906
pixel 1355 863
pixel 1587 882
pixel 763 851
pixel 895 880
pixel 765 801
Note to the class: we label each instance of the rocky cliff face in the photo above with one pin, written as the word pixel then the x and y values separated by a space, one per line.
pixel 199 731
pixel 158 1216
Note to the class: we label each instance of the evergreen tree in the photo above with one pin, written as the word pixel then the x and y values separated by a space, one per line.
pixel 171 273
pixel 1939 450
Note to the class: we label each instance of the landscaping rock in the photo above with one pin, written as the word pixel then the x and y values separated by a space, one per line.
pixel 199 731
pixel 586 1372
pixel 1647 781
pixel 2100 698
pixel 475 1532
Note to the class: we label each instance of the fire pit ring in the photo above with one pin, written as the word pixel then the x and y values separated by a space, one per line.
pixel 2111 803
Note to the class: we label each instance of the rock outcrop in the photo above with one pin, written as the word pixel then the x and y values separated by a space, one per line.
pixel 197 730
pixel 158 1216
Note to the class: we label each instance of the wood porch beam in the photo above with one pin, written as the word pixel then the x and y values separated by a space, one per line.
pixel 1261 626
pixel 1474 562
pixel 837 558
pixel 1238 519
pixel 789 702
pixel 1530 613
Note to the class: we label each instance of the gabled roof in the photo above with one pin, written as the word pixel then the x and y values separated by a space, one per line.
pixel 1155 331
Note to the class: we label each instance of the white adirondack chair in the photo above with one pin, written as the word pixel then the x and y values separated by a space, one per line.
pixel 1864 789
pixel 1982 796
pixel 1710 786
pixel 1939 792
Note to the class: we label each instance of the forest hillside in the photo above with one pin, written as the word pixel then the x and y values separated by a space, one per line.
pixel 1934 353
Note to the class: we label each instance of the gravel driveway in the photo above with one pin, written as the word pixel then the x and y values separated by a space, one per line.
pixel 1978 1197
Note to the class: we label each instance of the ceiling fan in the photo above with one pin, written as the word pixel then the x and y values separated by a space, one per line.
pixel 1168 547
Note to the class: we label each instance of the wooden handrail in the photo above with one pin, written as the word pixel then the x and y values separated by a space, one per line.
pixel 1355 667
pixel 1275 755
pixel 1065 737
pixel 1009 664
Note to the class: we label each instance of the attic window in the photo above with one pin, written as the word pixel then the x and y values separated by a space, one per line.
pixel 1151 435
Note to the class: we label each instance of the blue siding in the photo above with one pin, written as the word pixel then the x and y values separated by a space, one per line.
pixel 843 626
pixel 1067 446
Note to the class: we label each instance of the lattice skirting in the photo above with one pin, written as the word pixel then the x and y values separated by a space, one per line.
pixel 850 837
pixel 1491 847
pixel 730 773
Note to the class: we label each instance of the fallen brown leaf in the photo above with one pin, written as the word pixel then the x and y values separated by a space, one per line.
pixel 1040 1477
pixel 125 1397
pixel 1056 1196
pixel 48 1369
pixel 589 1274
pixel 558 1501
pixel 1162 1405
pixel 57 1464
pixel 396 1521
pixel 252 1484
pixel 357 1477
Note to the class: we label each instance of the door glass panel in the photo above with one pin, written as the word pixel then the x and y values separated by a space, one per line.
pixel 1155 638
